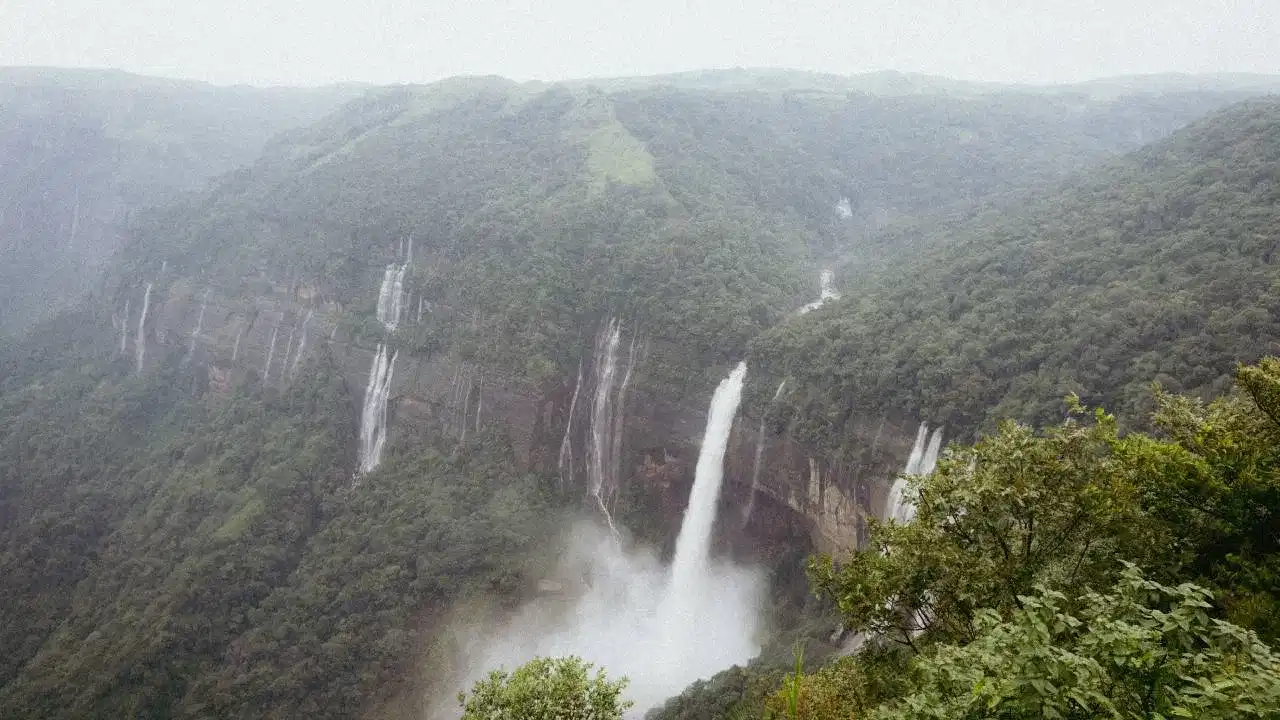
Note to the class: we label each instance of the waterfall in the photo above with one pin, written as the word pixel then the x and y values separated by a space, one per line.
pixel 391 296
pixel 373 418
pixel 140 351
pixel 664 627
pixel 693 545
pixel 235 351
pixel 204 302
pixel 600 464
pixel 755 468
pixel 826 291
pixel 124 328
pixel 271 352
pixel 921 461
pixel 419 320
pixel 302 345
pixel 566 444
pixel 619 416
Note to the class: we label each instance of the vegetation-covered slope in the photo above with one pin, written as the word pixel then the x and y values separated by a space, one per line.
pixel 82 151
pixel 1157 267
pixel 177 549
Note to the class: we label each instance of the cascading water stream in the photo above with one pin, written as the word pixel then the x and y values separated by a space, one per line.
pixel 140 343
pixel 693 545
pixel 195 334
pixel 922 460
pixel 663 627
pixel 600 461
pixel 271 352
pixel 755 467
pixel 826 291
pixel 302 345
pixel 373 417
pixel 124 329
pixel 566 444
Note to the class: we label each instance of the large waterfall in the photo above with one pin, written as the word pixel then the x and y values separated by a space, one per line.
pixel 693 546
pixel 922 460
pixel 373 418
pixel 140 344
pixel 661 626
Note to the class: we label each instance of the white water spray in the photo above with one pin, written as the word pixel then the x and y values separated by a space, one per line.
pixel 373 418
pixel 827 291
pixel 663 628
pixel 140 343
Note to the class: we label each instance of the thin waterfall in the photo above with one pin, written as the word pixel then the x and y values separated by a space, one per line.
pixel 195 334
pixel 419 320
pixel 693 545
pixel 599 462
pixel 479 400
pixel 271 352
pixel 373 417
pixel 566 444
pixel 235 350
pixel 826 291
pixel 124 329
pixel 288 350
pixel 755 468
pixel 619 418
pixel 390 296
pixel 921 461
pixel 302 345
pixel 140 344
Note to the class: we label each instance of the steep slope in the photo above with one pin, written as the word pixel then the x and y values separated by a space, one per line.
pixel 82 151
pixel 1159 265
pixel 573 269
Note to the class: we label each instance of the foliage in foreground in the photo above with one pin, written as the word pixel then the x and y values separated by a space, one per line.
pixel 1009 595
pixel 546 689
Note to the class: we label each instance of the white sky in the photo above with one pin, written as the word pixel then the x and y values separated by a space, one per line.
pixel 383 41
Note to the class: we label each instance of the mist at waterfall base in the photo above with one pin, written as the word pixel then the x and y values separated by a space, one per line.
pixel 618 606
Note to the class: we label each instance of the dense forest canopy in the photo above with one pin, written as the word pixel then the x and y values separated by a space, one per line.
pixel 181 538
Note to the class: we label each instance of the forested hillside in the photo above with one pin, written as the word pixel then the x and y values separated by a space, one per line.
pixel 185 527
pixel 81 152
pixel 1158 267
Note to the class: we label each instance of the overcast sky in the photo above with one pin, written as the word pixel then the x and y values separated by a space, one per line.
pixel 320 41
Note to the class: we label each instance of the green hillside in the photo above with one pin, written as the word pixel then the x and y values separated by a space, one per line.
pixel 82 152
pixel 1157 267
pixel 189 541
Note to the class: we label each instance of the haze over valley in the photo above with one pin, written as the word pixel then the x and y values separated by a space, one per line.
pixel 663 380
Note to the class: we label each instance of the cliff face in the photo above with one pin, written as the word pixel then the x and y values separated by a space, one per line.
pixel 793 496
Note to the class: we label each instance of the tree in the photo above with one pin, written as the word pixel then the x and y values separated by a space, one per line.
pixel 1144 650
pixel 546 689
pixel 1017 509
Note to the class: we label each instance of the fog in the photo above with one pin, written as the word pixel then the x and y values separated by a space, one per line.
pixel 610 603
pixel 386 41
